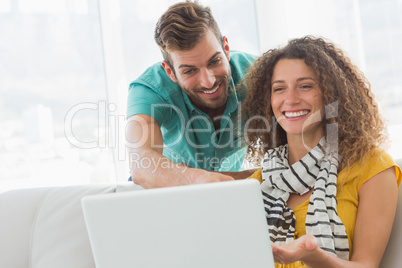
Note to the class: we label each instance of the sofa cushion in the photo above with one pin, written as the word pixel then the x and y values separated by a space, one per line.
pixel 17 213
pixel 45 227
pixel 59 236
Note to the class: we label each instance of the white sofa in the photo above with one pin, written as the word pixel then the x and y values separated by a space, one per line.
pixel 45 228
pixel 393 257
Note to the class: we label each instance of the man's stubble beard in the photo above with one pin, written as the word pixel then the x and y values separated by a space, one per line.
pixel 196 98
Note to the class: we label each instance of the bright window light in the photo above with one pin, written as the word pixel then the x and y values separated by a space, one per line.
pixel 5 6
pixel 42 6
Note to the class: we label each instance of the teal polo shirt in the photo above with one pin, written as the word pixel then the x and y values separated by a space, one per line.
pixel 188 133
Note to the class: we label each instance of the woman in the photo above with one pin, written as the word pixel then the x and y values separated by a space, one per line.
pixel 329 191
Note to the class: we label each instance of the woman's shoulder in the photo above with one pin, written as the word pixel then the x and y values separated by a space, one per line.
pixel 374 162
pixel 257 175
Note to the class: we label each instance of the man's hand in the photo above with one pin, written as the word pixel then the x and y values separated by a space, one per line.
pixel 239 175
pixel 196 176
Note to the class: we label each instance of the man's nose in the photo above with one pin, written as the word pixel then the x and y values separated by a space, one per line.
pixel 207 79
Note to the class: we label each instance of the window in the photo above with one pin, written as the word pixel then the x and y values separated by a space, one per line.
pixel 50 63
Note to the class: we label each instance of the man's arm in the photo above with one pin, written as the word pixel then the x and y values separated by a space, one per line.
pixel 149 168
pixel 238 175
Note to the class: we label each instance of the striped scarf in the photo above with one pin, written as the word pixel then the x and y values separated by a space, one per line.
pixel 316 170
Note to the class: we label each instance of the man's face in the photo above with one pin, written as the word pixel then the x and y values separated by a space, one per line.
pixel 203 72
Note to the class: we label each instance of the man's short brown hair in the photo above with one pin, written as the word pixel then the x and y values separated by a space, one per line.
pixel 183 26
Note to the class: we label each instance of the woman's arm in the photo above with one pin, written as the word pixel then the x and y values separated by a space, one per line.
pixel 375 215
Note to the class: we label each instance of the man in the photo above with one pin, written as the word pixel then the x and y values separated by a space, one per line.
pixel 184 115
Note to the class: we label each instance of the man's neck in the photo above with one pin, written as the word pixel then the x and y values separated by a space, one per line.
pixel 216 116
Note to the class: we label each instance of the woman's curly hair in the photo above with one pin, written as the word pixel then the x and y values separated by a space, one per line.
pixel 353 122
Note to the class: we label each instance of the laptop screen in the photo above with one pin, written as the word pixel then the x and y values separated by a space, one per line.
pixel 219 224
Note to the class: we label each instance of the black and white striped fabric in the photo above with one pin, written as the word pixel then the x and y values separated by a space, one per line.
pixel 316 170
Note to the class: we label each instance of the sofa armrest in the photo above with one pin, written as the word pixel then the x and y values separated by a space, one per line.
pixel 45 227
pixel 392 256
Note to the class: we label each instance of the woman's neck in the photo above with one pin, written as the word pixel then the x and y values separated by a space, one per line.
pixel 300 145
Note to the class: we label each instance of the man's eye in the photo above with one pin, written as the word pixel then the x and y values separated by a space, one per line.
pixel 188 72
pixel 214 62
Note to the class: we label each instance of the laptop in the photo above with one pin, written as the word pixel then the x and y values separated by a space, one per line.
pixel 220 224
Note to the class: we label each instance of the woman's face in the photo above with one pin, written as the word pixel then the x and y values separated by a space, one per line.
pixel 296 99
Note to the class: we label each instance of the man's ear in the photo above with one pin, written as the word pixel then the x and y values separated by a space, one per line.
pixel 169 71
pixel 226 47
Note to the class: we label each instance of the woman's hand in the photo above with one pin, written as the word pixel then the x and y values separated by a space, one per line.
pixel 297 250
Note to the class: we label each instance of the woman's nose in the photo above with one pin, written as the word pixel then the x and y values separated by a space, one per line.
pixel 292 96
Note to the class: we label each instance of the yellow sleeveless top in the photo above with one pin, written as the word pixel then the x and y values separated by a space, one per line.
pixel 347 195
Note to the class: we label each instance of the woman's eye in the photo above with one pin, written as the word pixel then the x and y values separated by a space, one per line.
pixel 277 89
pixel 306 86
